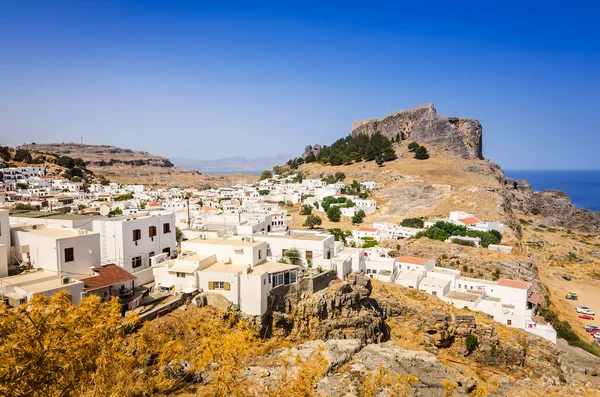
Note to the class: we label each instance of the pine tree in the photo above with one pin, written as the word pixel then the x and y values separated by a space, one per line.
pixel 421 153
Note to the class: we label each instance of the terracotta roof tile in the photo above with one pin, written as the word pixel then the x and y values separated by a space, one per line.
pixel 107 275
pixel 412 260
pixel 513 283
pixel 469 221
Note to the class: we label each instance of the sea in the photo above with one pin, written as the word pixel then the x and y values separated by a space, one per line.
pixel 583 186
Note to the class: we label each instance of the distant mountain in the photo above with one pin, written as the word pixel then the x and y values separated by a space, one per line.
pixel 232 164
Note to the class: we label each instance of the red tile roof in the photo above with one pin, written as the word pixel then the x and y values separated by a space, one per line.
pixel 469 221
pixel 107 275
pixel 513 283
pixel 153 204
pixel 535 299
pixel 366 229
pixel 412 260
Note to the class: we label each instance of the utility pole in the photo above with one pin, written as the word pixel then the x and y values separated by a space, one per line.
pixel 188 208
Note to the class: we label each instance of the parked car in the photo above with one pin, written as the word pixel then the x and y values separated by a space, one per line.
pixel 572 293
pixel 579 309
pixel 568 278
pixel 591 313
pixel 590 328
pixel 571 297
pixel 586 316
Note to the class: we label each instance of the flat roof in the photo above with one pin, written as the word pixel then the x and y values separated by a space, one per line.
pixel 464 296
pixel 445 271
pixel 434 282
pixel 48 285
pixel 298 236
pixel 220 267
pixel 413 275
pixel 271 267
pixel 50 215
pixel 492 299
pixel 478 280
pixel 52 232
pixel 29 276
pixel 229 241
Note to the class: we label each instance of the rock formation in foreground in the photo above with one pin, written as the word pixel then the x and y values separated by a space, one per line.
pixel 423 124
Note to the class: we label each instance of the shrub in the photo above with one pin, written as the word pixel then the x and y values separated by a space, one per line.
pixel 25 207
pixel 413 222
pixel 466 243
pixel 472 343
pixel 264 192
pixel 266 174
pixel 496 275
pixel 358 217
pixel 66 161
pixel 413 146
pixel 421 153
pixel 123 197
pixel 306 210
pixel 340 176
pixel 312 221
pixel 334 214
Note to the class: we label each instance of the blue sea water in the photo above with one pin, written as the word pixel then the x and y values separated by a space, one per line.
pixel 583 186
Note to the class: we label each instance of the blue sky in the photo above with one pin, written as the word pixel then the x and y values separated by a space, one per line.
pixel 216 79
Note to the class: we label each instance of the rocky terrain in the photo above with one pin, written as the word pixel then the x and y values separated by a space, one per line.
pixel 120 165
pixel 366 338
pixel 423 124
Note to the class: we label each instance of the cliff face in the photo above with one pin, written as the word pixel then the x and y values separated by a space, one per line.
pixel 423 124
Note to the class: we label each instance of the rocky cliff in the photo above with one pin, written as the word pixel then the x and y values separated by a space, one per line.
pixel 423 124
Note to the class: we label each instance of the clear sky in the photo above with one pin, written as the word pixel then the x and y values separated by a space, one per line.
pixel 216 79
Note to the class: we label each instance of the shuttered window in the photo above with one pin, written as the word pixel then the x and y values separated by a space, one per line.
pixel 137 234
pixel 152 231
pixel 166 228
pixel 224 285
pixel 69 255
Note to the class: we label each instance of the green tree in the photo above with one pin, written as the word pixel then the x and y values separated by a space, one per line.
pixel 25 207
pixel 340 176
pixel 76 179
pixel 306 210
pixel 66 161
pixel 472 343
pixel 293 255
pixel 379 161
pixel 117 211
pixel 496 275
pixel 264 192
pixel 266 174
pixel 310 158
pixel 334 213
pixel 421 153
pixel 358 217
pixel 329 179
pixel 413 222
pixel 178 234
pixel 79 162
pixel 413 146
pixel 312 221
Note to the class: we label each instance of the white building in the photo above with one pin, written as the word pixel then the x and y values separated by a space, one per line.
pixel 62 251
pixel 17 290
pixel 4 243
pixel 312 246
pixel 130 242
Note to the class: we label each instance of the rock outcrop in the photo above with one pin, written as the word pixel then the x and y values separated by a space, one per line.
pixel 554 206
pixel 423 124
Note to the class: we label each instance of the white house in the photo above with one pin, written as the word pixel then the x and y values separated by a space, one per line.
pixel 311 245
pixel 63 251
pixel 369 232
pixel 4 243
pixel 130 241
pixel 19 289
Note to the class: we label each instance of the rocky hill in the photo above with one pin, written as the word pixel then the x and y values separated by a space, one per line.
pixel 118 165
pixel 423 124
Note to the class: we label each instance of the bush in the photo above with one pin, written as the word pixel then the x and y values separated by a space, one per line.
pixel 413 222
pixel 76 179
pixel 421 153
pixel 339 234
pixel 66 161
pixel 496 275
pixel 306 210
pixel 266 174
pixel 465 243
pixel 355 148
pixel 25 207
pixel 124 197
pixel 293 255
pixel 312 221
pixel 264 192
pixel 334 214
pixel 340 176
pixel 413 146
pixel 472 343
pixel 358 217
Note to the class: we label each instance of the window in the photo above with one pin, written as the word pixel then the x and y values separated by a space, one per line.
pixel 150 254
pixel 69 255
pixel 458 285
pixel 166 228
pixel 434 293
pixel 508 322
pixel 137 234
pixel 224 285
pixel 167 251
pixel 259 254
pixel 136 261
pixel 152 231
pixel 180 275
pixel 309 255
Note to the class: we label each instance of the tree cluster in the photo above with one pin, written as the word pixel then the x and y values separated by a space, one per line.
pixel 355 148
pixel 358 217
pixel 420 152
pixel 413 222
pixel 442 230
